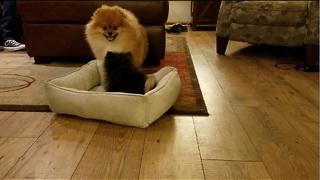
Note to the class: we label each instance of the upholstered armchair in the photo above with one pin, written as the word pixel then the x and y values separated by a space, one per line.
pixel 281 23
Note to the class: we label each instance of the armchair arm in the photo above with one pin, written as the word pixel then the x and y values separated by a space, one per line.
pixel 312 23
pixel 223 22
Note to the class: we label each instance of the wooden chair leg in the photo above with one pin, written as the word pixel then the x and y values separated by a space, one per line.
pixel 221 44
pixel 311 54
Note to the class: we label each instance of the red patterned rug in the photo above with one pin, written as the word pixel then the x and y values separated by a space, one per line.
pixel 22 81
pixel 190 100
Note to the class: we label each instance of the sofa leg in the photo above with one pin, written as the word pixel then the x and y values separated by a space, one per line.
pixel 42 60
pixel 152 60
pixel 221 43
pixel 311 54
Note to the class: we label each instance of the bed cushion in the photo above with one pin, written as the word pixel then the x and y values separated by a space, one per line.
pixel 80 93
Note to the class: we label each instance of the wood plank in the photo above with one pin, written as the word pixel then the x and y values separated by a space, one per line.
pixel 306 87
pixel 212 92
pixel 292 102
pixel 284 153
pixel 236 87
pixel 171 150
pixel 306 83
pixel 221 136
pixel 26 124
pixel 251 68
pixel 57 152
pixel 114 153
pixel 299 113
pixel 5 115
pixel 278 87
pixel 255 65
pixel 293 93
pixel 234 170
pixel 11 149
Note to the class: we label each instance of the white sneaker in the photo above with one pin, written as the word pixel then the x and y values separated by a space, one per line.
pixel 13 45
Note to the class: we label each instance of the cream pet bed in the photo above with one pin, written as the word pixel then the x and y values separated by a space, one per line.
pixel 80 93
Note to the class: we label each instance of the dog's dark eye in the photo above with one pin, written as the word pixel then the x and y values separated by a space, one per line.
pixel 115 28
pixel 104 28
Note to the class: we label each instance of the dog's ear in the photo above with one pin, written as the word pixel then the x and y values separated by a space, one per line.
pixel 119 10
pixel 99 9
pixel 96 12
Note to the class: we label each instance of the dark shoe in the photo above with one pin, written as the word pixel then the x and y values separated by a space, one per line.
pixel 174 29
pixel 13 45
pixel 183 28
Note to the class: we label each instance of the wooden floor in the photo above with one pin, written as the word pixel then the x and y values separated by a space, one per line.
pixel 263 124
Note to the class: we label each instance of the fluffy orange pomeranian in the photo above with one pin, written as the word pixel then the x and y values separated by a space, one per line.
pixel 118 30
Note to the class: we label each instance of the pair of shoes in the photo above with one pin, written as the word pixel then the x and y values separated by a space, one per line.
pixel 174 29
pixel 183 28
pixel 13 45
pixel 177 28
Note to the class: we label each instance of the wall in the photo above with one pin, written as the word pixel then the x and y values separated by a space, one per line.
pixel 179 12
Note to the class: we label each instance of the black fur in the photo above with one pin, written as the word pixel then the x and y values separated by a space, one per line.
pixel 122 75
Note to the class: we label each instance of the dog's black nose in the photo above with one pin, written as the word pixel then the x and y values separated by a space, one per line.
pixel 109 33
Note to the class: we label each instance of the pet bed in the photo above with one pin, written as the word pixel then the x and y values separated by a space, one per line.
pixel 80 93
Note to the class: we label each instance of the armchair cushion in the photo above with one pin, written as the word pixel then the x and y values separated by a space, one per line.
pixel 282 13
pixel 284 23
pixel 280 23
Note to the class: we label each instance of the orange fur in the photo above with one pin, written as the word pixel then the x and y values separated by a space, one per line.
pixel 115 29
